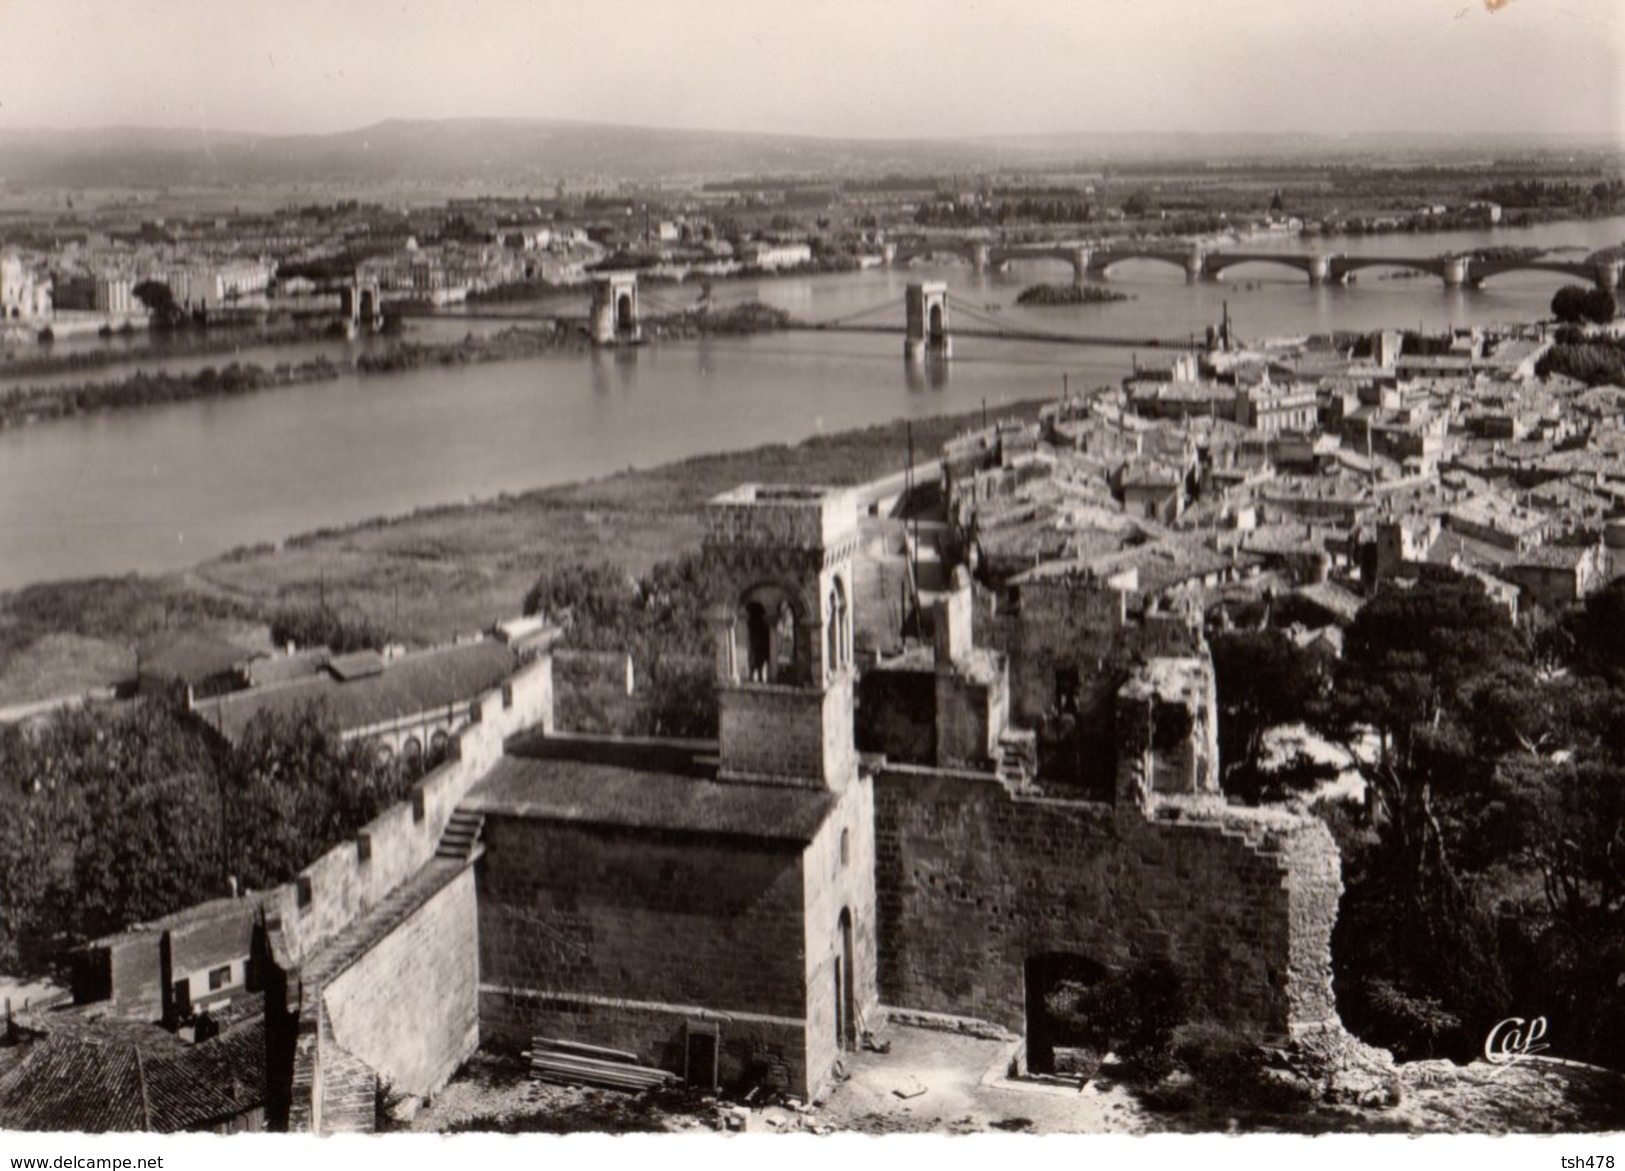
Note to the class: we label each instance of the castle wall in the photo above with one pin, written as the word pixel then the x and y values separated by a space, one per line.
pixel 834 885
pixel 409 1006
pixel 329 1087
pixel 972 880
pixel 350 879
pixel 1061 626
pixel 619 937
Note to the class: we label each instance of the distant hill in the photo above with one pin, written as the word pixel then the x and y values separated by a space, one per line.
pixel 538 151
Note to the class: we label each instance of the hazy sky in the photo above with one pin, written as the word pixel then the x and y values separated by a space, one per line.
pixel 835 67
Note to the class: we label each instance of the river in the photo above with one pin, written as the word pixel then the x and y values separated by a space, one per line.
pixel 164 487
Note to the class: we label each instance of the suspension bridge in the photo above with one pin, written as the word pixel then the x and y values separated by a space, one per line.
pixel 982 323
pixel 621 306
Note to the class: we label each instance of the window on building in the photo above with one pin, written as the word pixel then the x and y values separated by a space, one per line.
pixel 219 977
pixel 846 847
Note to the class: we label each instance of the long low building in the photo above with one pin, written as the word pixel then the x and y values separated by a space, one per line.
pixel 407 704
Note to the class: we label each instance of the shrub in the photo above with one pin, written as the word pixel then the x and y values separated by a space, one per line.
pixel 320 626
pixel 1230 1072
pixel 1140 1009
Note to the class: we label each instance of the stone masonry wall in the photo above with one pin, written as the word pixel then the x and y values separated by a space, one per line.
pixel 969 710
pixel 1062 625
pixel 794 735
pixel 971 881
pixel 307 918
pixel 615 937
pixel 349 880
pixel 835 884
pixel 409 1007
pixel 896 714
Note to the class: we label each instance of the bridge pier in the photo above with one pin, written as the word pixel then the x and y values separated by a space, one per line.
pixel 1607 274
pixel 927 333
pixel 888 253
pixel 614 314
pixel 1196 266
pixel 1319 268
pixel 1456 272
pixel 980 254
pixel 362 304
pixel 1080 264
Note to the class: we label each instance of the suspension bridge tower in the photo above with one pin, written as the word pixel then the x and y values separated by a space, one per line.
pixel 927 335
pixel 614 314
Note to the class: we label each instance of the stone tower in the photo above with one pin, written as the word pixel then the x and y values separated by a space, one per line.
pixel 781 558
pixel 926 334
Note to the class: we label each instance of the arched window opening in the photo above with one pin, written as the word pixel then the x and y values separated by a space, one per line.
pixel 759 640
pixel 784 645
pixel 778 642
pixel 839 652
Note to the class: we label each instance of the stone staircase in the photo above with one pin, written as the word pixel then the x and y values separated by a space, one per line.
pixel 461 835
pixel 1016 763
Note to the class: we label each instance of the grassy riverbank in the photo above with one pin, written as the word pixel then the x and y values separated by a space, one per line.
pixel 34 404
pixel 426 576
pixel 33 361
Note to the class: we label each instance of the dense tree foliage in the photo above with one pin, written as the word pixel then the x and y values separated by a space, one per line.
pixel 1596 361
pixel 946 212
pixel 1485 877
pixel 321 625
pixel 1573 304
pixel 109 817
pixel 1598 197
pixel 159 300
pixel 293 789
pixel 1264 680
pixel 658 619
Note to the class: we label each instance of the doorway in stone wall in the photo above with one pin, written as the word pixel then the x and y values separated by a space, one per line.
pixel 702 1044
pixel 1058 990
pixel 846 1007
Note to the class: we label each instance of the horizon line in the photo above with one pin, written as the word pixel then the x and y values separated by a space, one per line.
pixel 1615 140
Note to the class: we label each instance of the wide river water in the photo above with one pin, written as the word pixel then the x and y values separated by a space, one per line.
pixel 165 487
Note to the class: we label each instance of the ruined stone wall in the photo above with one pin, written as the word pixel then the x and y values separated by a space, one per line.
pixel 1061 625
pixel 896 714
pixel 968 714
pixel 840 873
pixel 409 1006
pixel 617 937
pixel 971 881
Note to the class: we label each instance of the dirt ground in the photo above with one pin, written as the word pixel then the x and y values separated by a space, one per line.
pixel 948 1083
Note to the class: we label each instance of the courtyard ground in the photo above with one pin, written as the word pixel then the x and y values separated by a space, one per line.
pixel 948 1083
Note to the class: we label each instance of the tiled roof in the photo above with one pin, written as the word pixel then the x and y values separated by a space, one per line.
pixel 591 784
pixel 99 1076
pixel 415 683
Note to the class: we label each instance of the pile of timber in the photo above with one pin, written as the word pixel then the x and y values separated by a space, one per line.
pixel 575 1064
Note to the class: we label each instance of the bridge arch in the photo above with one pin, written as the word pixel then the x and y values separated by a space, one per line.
pixel 1316 268
pixel 1484 270
pixel 1344 266
pixel 1101 264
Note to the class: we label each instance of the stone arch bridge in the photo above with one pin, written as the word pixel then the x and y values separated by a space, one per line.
pixel 1210 264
